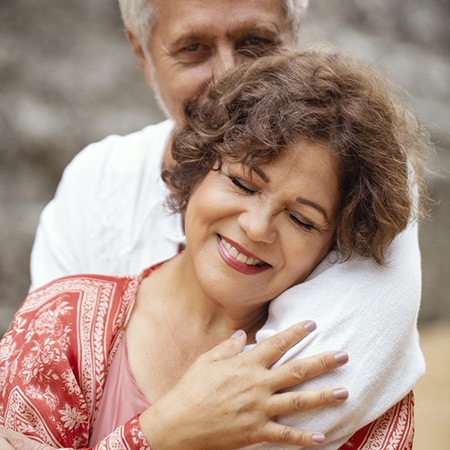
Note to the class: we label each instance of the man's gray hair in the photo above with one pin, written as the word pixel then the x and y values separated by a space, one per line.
pixel 139 16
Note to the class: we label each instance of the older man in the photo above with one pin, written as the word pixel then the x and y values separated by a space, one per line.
pixel 108 215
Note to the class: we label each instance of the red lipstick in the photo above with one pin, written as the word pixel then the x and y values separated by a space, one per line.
pixel 236 264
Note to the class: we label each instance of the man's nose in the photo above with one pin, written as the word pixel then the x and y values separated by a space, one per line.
pixel 259 225
pixel 225 60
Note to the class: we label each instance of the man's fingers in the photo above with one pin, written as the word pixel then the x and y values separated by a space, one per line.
pixel 292 402
pixel 292 373
pixel 272 349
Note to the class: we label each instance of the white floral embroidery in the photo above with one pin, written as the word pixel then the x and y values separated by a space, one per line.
pixel 8 349
pixel 21 325
pixel 72 418
pixel 8 354
pixel 50 321
pixel 54 359
pixel 70 382
pixel 41 362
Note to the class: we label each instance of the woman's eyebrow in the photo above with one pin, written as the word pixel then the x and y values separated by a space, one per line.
pixel 316 206
pixel 261 174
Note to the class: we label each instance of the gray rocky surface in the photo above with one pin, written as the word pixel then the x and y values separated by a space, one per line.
pixel 68 78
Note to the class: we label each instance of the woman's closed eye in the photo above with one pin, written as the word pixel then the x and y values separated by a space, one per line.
pixel 246 189
pixel 301 223
pixel 242 186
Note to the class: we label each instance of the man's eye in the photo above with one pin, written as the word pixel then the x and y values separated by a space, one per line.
pixel 192 47
pixel 194 52
pixel 241 186
pixel 257 41
pixel 300 223
pixel 256 46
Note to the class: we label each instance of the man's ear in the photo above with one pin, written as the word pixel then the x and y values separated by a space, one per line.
pixel 138 52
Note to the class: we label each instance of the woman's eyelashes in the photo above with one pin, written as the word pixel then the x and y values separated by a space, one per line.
pixel 242 186
pixel 300 223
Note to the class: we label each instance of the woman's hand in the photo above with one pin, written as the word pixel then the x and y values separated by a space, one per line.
pixel 228 399
pixel 12 440
pixel 5 445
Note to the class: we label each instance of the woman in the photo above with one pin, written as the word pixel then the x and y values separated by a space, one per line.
pixel 285 161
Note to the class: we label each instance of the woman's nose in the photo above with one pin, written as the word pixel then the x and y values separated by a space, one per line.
pixel 258 225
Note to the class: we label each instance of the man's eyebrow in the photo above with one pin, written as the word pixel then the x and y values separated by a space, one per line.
pixel 243 29
pixel 187 40
pixel 316 206
pixel 262 32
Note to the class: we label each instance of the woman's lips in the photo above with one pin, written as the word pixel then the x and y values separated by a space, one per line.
pixel 239 259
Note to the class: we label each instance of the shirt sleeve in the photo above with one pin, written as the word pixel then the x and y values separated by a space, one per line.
pixel 104 209
pixel 61 246
pixel 370 312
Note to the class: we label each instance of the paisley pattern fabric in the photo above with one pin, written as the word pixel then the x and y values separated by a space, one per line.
pixel 55 357
pixel 392 431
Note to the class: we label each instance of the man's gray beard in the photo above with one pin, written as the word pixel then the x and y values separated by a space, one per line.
pixel 156 91
pixel 159 101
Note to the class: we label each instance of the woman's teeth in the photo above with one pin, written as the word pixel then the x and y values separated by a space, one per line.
pixel 239 256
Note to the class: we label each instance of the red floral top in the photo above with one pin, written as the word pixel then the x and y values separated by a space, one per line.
pixel 55 357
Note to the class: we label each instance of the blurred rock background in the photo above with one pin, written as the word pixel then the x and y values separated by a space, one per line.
pixel 68 78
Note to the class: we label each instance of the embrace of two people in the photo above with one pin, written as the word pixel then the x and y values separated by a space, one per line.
pixel 281 195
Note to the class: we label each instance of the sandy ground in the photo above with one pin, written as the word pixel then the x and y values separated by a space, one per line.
pixel 432 393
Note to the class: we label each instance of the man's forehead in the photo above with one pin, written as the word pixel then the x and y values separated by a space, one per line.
pixel 224 16
pixel 193 32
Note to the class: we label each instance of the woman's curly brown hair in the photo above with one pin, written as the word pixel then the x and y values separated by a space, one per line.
pixel 253 114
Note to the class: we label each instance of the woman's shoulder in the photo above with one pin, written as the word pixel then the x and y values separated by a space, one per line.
pixel 53 359
pixel 92 288
pixel 64 332
pixel 77 309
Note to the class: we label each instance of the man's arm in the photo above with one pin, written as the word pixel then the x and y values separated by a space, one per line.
pixel 102 219
pixel 61 246
pixel 369 311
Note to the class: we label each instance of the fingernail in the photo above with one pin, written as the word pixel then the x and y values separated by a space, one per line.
pixel 341 357
pixel 237 334
pixel 319 438
pixel 310 326
pixel 340 394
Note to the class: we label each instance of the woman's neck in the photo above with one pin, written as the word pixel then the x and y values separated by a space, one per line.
pixel 206 316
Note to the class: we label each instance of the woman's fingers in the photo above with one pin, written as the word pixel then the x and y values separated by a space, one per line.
pixel 293 402
pixel 229 348
pixel 229 399
pixel 292 373
pixel 272 349
pixel 282 434
pixel 4 445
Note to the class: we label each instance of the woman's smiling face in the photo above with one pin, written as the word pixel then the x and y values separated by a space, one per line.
pixel 252 235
